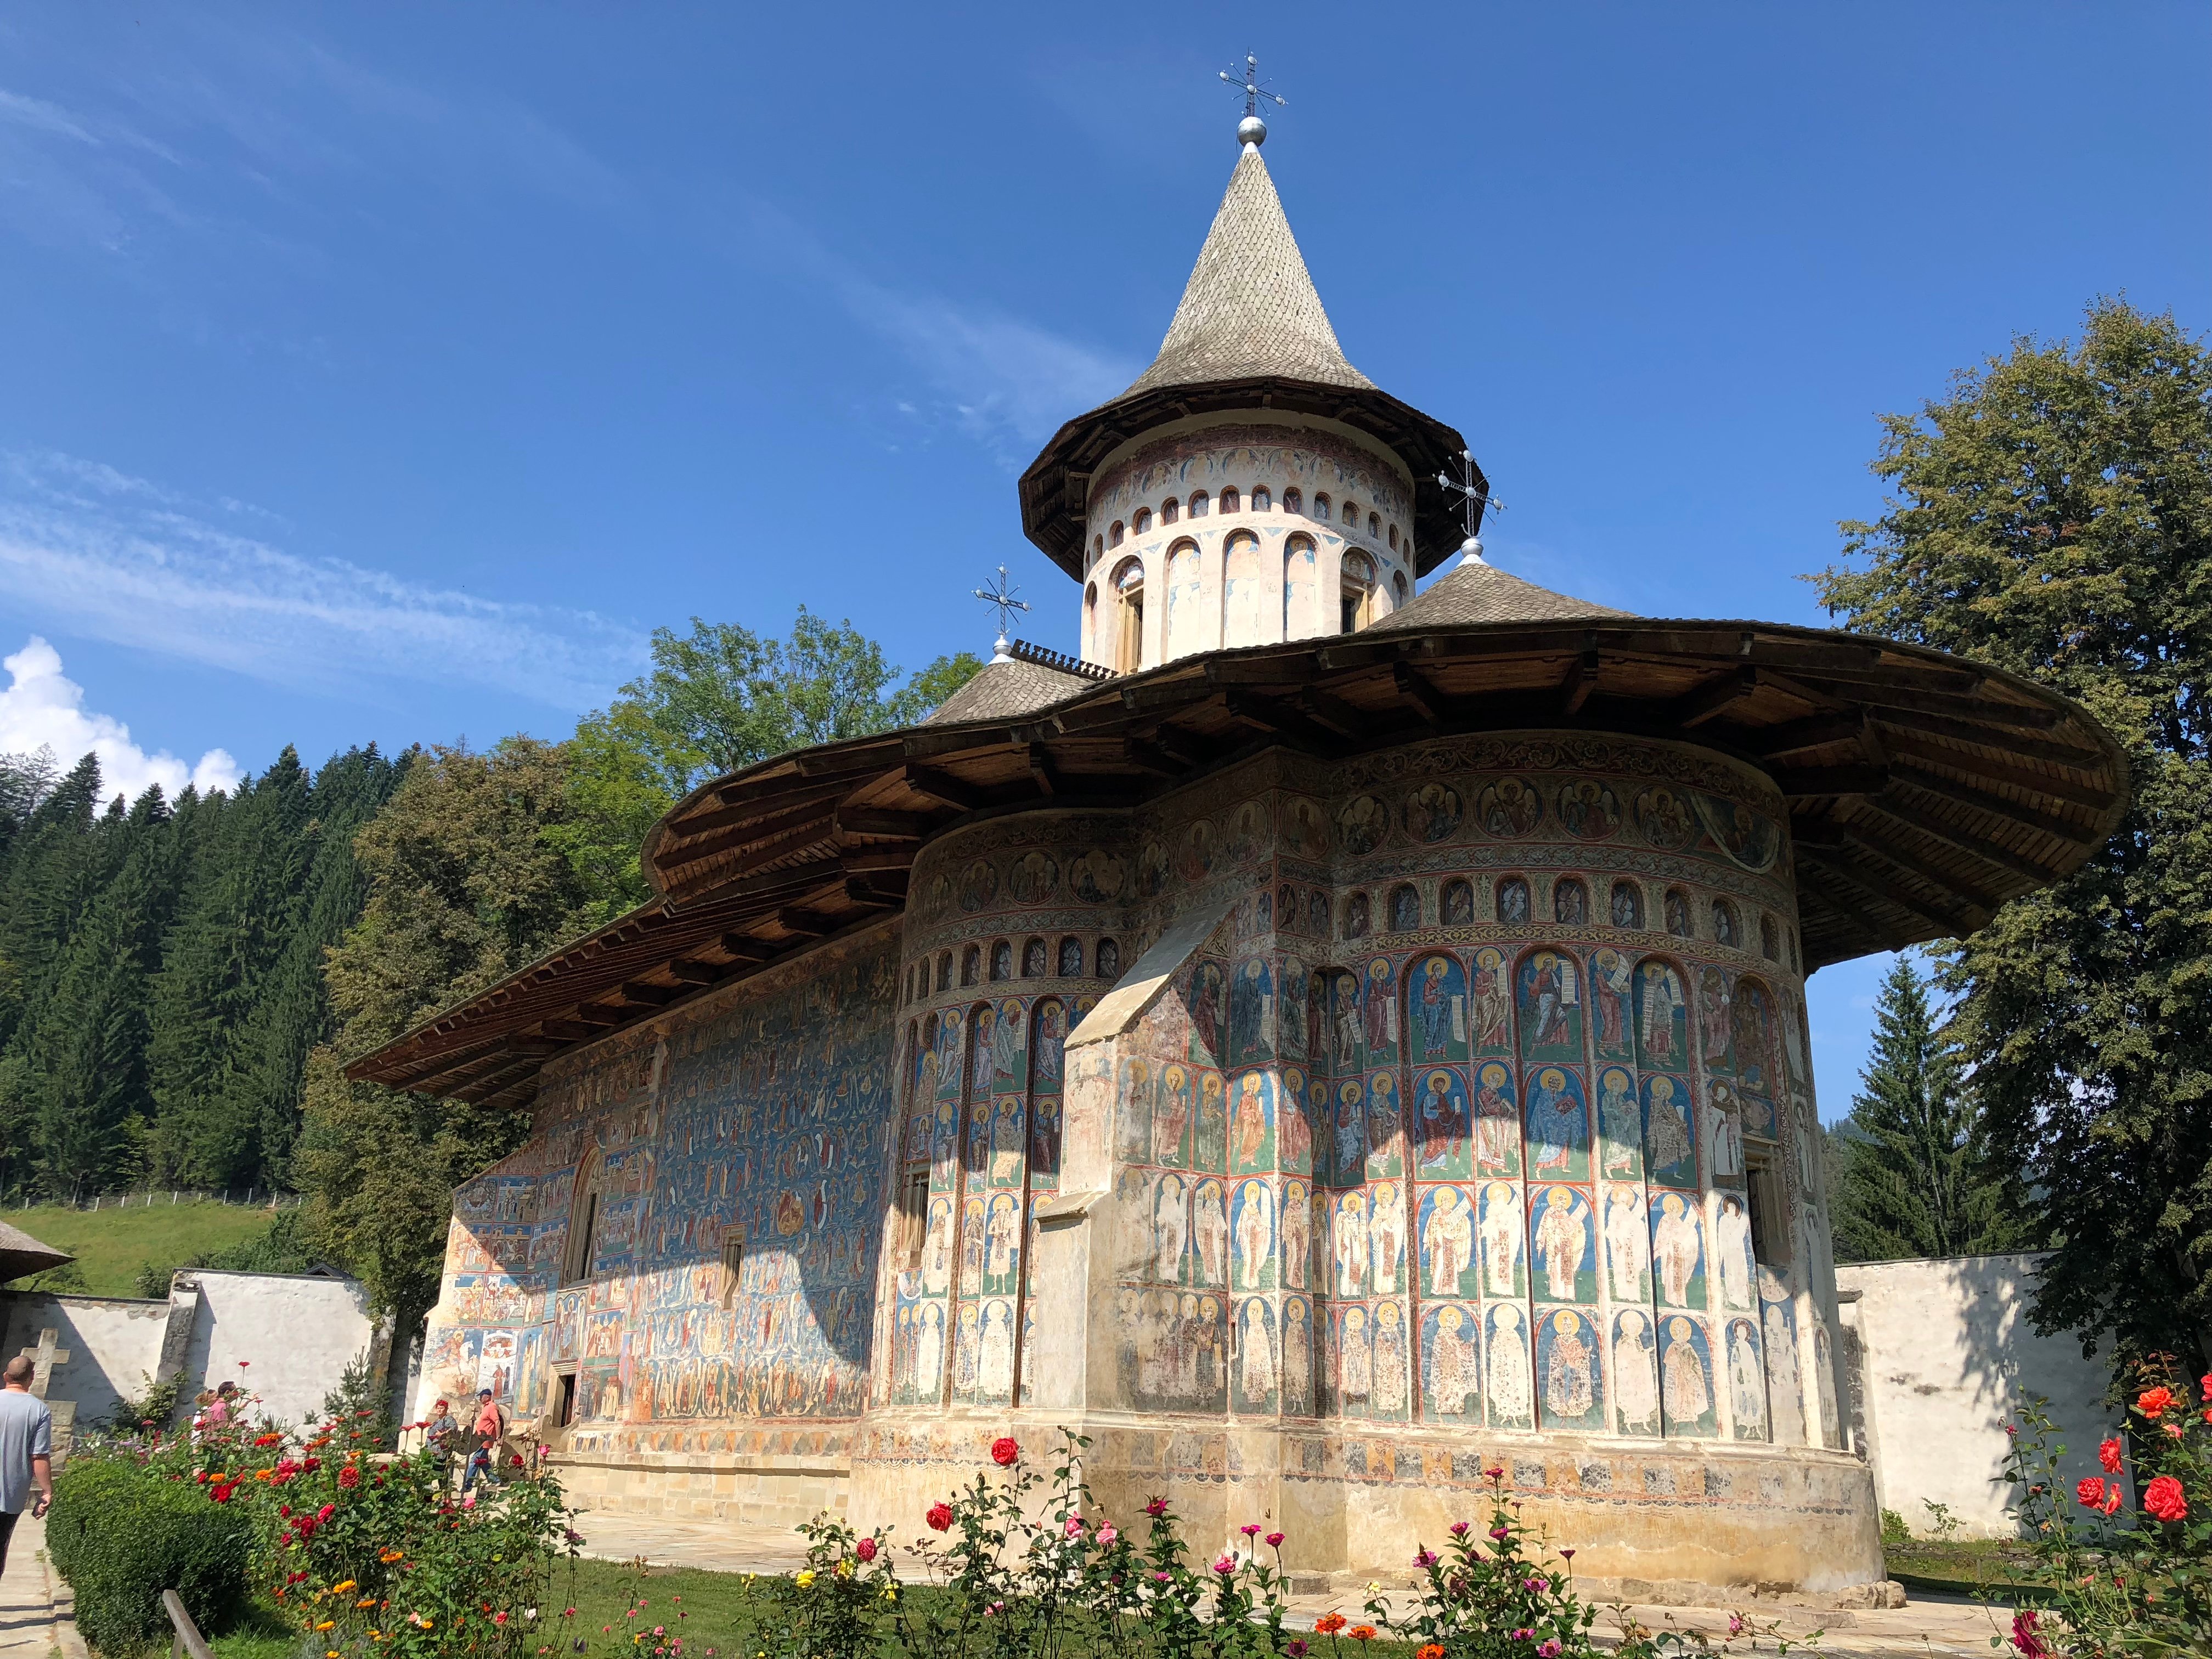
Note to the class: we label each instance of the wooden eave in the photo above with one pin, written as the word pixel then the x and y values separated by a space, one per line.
pixel 1923 791
pixel 1055 489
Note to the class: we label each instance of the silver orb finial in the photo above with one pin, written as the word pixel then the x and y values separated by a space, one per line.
pixel 1472 549
pixel 1251 132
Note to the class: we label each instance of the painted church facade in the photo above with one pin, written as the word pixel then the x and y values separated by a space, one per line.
pixel 1325 1043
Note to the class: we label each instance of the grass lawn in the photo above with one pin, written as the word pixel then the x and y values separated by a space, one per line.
pixel 110 1245
pixel 1963 1561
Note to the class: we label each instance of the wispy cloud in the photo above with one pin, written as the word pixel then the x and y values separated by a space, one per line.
pixel 1002 381
pixel 43 708
pixel 124 560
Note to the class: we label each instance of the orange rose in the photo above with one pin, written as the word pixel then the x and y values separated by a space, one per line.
pixel 2154 1403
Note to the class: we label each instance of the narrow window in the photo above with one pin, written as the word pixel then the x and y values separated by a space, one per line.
pixel 1097 545
pixel 1071 958
pixel 1397 585
pixel 1356 918
pixel 1320 506
pixel 583 1219
pixel 1394 538
pixel 971 964
pixel 1723 923
pixel 1002 960
pixel 1770 1228
pixel 1198 504
pixel 1231 501
pixel 1262 500
pixel 1293 501
pixel 1110 959
pixel 1352 512
pixel 1169 512
pixel 1114 535
pixel 914 1220
pixel 1129 618
pixel 1627 904
pixel 945 971
pixel 1357 599
pixel 1678 913
pixel 1317 913
pixel 733 1257
pixel 1033 959
pixel 1770 939
pixel 1143 521
pixel 1373 525
pixel 1459 904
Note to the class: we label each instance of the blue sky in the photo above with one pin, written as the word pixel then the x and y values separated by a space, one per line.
pixel 389 371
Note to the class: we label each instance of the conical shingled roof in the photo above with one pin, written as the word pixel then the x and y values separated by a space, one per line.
pixel 1478 592
pixel 1250 334
pixel 1250 308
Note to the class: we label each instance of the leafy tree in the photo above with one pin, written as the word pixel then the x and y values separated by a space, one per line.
pixel 1917 1176
pixel 2053 516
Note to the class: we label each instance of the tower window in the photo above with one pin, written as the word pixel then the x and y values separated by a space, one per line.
pixel 1097 545
pixel 1678 913
pixel 1352 512
pixel 1358 604
pixel 1262 500
pixel 1198 504
pixel 1627 904
pixel 1724 930
pixel 1373 525
pixel 1033 959
pixel 971 964
pixel 1143 521
pixel 1129 619
pixel 1293 501
pixel 1002 960
pixel 1071 958
pixel 1110 959
pixel 945 971
pixel 1394 538
pixel 1321 505
pixel 1114 535
pixel 1405 909
pixel 1169 512
pixel 1570 902
pixel 1231 501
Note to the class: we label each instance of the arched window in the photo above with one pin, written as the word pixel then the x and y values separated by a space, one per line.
pixel 1110 959
pixel 1071 958
pixel 1678 913
pixel 1355 916
pixel 1245 602
pixel 1288 916
pixel 1351 514
pixel 1033 959
pixel 1770 939
pixel 583 1218
pixel 1129 615
pixel 945 971
pixel 1299 566
pixel 1090 615
pixel 1373 525
pixel 1114 534
pixel 1293 501
pixel 1231 501
pixel 971 964
pixel 1262 500
pixel 1570 902
pixel 1405 909
pixel 1394 538
pixel 1724 928
pixel 1171 510
pixel 1397 585
pixel 1097 545
pixel 1513 901
pixel 1627 904
pixel 1143 522
pixel 1357 603
pixel 1198 504
pixel 1002 959
pixel 1459 904
pixel 1321 505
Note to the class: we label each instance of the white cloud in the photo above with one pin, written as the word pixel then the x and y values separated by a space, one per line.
pixel 44 709
pixel 125 561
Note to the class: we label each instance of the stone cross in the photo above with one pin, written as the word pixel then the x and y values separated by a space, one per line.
pixel 44 1358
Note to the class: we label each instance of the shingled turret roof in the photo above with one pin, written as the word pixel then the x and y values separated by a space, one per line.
pixel 1479 592
pixel 1250 308
pixel 1250 334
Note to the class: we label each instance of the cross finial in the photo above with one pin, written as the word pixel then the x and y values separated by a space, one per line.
pixel 1001 595
pixel 1252 131
pixel 1474 500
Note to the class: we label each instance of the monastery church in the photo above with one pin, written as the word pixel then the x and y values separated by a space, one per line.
pixel 1328 1040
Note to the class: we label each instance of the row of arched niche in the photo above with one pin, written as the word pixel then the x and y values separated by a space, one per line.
pixel 1037 960
pixel 1324 512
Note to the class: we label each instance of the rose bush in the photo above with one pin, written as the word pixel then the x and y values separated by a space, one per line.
pixel 2115 1579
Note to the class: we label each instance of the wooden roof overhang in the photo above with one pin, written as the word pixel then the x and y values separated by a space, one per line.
pixel 1055 489
pixel 1924 793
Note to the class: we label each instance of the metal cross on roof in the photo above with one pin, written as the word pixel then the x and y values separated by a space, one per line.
pixel 1474 500
pixel 1001 594
pixel 1252 129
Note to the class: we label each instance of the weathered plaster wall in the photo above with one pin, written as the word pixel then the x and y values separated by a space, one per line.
pixel 1939 1357
pixel 114 1344
pixel 297 1333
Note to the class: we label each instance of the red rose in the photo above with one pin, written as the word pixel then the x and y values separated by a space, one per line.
pixel 2163 1499
pixel 2108 1454
pixel 2090 1493
pixel 940 1517
pixel 1005 1452
pixel 348 1477
pixel 865 1549
pixel 2154 1402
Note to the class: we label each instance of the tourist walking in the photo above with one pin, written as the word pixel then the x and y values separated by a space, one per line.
pixel 439 1436
pixel 490 1428
pixel 27 1449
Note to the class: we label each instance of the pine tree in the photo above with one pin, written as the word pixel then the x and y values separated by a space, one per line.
pixel 1917 1178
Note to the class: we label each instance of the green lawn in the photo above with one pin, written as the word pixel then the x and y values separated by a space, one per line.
pixel 111 1244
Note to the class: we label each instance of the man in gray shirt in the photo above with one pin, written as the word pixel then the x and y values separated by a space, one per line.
pixel 27 1449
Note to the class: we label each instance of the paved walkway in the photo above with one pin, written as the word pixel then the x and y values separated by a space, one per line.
pixel 1942 1626
pixel 35 1607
